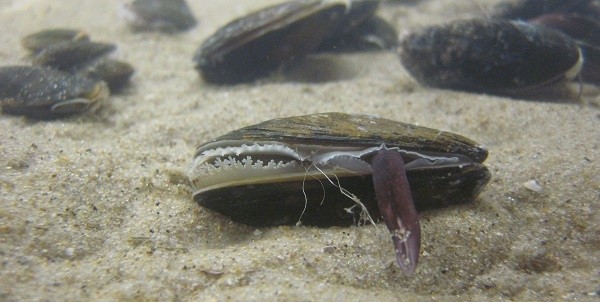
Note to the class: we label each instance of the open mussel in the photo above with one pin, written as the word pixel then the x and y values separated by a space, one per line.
pixel 338 169
pixel 44 93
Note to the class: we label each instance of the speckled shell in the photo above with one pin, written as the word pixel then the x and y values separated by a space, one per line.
pixel 41 92
pixel 255 45
pixel 495 56
pixel 277 199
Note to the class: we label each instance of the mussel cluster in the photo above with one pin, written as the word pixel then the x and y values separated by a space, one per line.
pixel 527 45
pixel 70 75
pixel 72 51
pixel 261 42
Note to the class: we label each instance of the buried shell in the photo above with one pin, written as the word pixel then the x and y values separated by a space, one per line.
pixel 257 44
pixel 41 92
pixel 161 15
pixel 495 56
pixel 324 169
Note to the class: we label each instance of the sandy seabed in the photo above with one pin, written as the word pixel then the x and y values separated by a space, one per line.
pixel 98 207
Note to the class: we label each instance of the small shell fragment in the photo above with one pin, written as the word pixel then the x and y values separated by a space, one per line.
pixel 45 93
pixel 494 56
pixel 533 185
pixel 161 15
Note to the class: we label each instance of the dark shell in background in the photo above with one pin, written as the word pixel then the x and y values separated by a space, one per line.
pixel 115 73
pixel 69 56
pixel 257 44
pixel 527 9
pixel 373 34
pixel 280 202
pixel 161 15
pixel 360 30
pixel 45 93
pixel 493 56
pixel 43 39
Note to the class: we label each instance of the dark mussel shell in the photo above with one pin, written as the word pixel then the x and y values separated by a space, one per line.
pixel 43 39
pixel 277 198
pixel 114 72
pixel 161 15
pixel 255 45
pixel 373 34
pixel 69 56
pixel 493 56
pixel 45 93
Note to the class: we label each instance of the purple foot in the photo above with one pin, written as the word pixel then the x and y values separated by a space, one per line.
pixel 397 207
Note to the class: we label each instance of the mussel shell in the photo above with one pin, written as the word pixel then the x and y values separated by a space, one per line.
pixel 69 56
pixel 255 45
pixel 38 92
pixel 494 56
pixel 38 41
pixel 161 15
pixel 115 73
pixel 278 202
